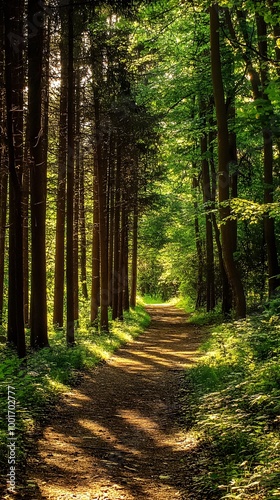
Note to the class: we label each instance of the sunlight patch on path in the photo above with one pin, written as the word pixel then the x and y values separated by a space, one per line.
pixel 115 436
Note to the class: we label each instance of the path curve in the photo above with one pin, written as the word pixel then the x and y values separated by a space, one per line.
pixel 115 437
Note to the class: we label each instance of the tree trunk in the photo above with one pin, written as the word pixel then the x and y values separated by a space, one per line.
pixel 70 329
pixel 95 284
pixel 121 257
pixel 223 163
pixel 117 235
pixel 259 85
pixel 234 172
pixel 76 196
pixel 199 252
pixel 103 240
pixel 125 259
pixel 61 182
pixel 14 82
pixel 269 226
pixel 38 335
pixel 3 167
pixel 25 221
pixel 83 244
pixel 133 290
pixel 207 199
pixel 111 217
pixel 226 288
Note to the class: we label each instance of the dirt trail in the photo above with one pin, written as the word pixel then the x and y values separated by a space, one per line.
pixel 115 436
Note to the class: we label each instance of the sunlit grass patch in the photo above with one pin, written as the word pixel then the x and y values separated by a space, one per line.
pixel 148 300
pixel 233 399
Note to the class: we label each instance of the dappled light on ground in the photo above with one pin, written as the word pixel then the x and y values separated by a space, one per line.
pixel 115 436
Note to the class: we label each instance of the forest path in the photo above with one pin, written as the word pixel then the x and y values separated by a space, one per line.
pixel 115 436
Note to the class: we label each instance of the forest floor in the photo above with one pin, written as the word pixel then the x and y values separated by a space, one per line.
pixel 118 434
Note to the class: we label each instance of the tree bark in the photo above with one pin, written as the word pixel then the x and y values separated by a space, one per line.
pixel 199 252
pixel 116 275
pixel 223 163
pixel 133 289
pixel 83 241
pixel 95 283
pixel 125 259
pixel 102 206
pixel 259 84
pixel 70 327
pixel 111 216
pixel 25 222
pixel 76 195
pixel 226 288
pixel 207 200
pixel 14 82
pixel 38 334
pixel 269 226
pixel 61 181
pixel 3 167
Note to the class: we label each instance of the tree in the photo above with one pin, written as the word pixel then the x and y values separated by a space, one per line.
pixel 61 179
pixel 207 200
pixel 223 164
pixel 39 335
pixel 70 329
pixel 3 165
pixel 259 83
pixel 14 105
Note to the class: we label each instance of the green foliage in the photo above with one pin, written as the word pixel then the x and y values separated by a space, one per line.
pixel 211 318
pixel 44 375
pixel 147 299
pixel 233 401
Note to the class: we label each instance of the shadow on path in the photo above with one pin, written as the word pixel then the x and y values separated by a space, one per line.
pixel 115 436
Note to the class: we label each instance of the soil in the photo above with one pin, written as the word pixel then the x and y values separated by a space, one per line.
pixel 118 435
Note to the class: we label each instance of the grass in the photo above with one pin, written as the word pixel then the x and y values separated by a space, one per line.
pixel 148 300
pixel 46 374
pixel 232 400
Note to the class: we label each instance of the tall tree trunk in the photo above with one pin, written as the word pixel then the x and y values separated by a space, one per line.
pixel 125 259
pixel 234 171
pixel 61 181
pixel 133 289
pixel 39 334
pixel 76 196
pixel 269 226
pixel 83 244
pixel 223 162
pixel 121 255
pixel 25 222
pixel 3 219
pixel 70 329
pixel 103 243
pixel 111 216
pixel 207 199
pixel 117 234
pixel 259 84
pixel 95 284
pixel 3 167
pixel 226 288
pixel 14 82
pixel 199 252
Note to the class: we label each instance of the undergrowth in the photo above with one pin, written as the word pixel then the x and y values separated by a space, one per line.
pixel 233 402
pixel 44 375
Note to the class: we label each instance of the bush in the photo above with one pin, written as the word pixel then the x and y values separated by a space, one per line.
pixel 234 404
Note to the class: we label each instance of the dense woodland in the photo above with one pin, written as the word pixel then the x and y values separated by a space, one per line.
pixel 140 154
pixel 167 114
